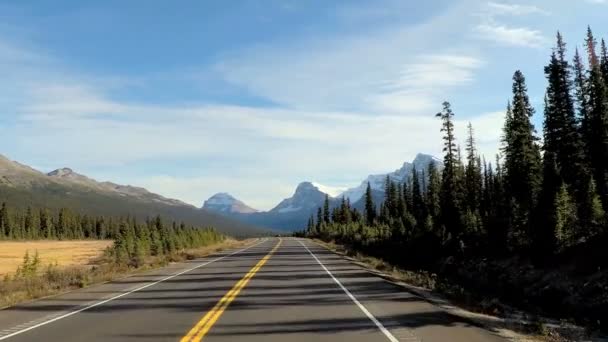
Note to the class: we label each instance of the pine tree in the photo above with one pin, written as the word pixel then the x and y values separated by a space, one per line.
pixel 432 193
pixel 326 215
pixel 544 238
pixel 450 186
pixel 598 120
pixel 418 205
pixel 582 101
pixel 522 161
pixel 604 61
pixel 565 217
pixel 561 135
pixel 473 181
pixel 370 208
pixel 319 219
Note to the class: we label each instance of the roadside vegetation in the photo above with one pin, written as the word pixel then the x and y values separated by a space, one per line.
pixel 136 246
pixel 529 229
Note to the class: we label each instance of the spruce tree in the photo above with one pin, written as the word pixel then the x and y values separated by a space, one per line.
pixel 450 186
pixel 326 215
pixel 598 120
pixel 544 238
pixel 582 102
pixel 418 205
pixel 473 181
pixel 522 162
pixel 370 208
pixel 561 135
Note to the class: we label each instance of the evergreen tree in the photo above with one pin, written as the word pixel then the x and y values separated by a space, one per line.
pixel 522 161
pixel 598 120
pixel 450 186
pixel 473 181
pixel 432 193
pixel 326 215
pixel 544 238
pixel 561 135
pixel 418 205
pixel 370 208
pixel 582 101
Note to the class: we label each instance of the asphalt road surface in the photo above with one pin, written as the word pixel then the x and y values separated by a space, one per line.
pixel 276 290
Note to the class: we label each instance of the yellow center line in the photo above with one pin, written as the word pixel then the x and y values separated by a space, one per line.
pixel 204 325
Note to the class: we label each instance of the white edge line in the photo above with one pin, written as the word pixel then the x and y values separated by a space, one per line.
pixel 124 294
pixel 350 295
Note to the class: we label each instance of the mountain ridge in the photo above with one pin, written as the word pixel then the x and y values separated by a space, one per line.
pixel 23 186
pixel 293 212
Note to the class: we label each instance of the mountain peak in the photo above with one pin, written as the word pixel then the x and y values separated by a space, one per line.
pixel 423 160
pixel 420 162
pixel 223 202
pixel 63 172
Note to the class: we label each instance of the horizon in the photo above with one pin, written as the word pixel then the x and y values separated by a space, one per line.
pixel 252 100
pixel 331 191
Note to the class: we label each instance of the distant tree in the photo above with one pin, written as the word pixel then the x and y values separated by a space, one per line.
pixel 370 208
pixel 326 214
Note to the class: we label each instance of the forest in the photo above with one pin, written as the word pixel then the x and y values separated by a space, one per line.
pixel 528 225
pixel 133 240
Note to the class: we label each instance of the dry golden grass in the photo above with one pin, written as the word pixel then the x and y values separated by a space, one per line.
pixel 226 244
pixel 63 253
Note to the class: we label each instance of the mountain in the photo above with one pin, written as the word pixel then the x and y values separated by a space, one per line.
pixel 290 214
pixel 224 203
pixel 307 197
pixel 22 186
pixel 377 182
pixel 293 213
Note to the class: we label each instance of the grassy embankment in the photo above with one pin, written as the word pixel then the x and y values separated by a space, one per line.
pixel 484 309
pixel 35 269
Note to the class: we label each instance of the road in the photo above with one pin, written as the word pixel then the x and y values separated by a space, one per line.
pixel 276 290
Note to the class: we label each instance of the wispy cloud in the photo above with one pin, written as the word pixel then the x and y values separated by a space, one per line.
pixel 496 8
pixel 492 27
pixel 419 85
pixel 515 36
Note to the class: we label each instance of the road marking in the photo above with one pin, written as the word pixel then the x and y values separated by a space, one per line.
pixel 369 315
pixel 198 332
pixel 71 313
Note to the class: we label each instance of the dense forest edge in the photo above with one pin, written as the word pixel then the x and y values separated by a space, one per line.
pixel 529 227
pixel 137 246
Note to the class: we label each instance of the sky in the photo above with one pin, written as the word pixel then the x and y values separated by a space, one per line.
pixel 252 97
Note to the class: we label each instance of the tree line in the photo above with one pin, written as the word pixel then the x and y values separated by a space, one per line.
pixel 541 195
pixel 133 240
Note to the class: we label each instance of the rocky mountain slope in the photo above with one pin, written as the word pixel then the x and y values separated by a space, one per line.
pixel 23 186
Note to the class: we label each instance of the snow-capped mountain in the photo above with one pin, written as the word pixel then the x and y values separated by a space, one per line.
pixel 377 182
pixel 292 213
pixel 306 197
pixel 225 203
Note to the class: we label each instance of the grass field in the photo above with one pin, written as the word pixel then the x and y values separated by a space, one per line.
pixel 64 253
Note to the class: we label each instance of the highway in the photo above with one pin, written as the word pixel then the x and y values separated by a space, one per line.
pixel 275 290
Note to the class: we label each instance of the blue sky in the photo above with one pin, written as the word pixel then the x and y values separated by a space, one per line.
pixel 251 97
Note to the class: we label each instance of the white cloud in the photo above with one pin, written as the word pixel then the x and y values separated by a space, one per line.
pixel 418 87
pixel 515 36
pixel 597 1
pixel 491 27
pixel 496 8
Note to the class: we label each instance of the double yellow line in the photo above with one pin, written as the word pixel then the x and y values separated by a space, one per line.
pixel 204 325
